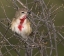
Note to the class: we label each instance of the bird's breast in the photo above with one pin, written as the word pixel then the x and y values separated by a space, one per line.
pixel 22 29
pixel 21 24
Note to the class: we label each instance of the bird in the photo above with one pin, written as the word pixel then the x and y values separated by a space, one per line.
pixel 20 24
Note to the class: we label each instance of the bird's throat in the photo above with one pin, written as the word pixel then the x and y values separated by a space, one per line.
pixel 20 26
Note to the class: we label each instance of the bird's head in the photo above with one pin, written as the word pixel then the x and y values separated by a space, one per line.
pixel 22 12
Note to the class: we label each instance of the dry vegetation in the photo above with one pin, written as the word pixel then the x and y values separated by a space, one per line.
pixel 45 38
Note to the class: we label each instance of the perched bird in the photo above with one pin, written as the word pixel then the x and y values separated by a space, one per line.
pixel 20 23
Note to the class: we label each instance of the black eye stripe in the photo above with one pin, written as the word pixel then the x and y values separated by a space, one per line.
pixel 22 12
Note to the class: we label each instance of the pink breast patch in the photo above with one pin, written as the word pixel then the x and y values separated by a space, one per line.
pixel 20 27
pixel 21 22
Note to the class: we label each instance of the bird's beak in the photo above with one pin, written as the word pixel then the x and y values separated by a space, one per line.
pixel 29 12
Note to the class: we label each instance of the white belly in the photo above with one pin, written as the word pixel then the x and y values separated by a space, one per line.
pixel 26 30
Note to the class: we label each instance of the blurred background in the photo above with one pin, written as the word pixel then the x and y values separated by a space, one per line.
pixel 8 9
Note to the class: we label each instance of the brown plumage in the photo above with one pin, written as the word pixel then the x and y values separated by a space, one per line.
pixel 20 24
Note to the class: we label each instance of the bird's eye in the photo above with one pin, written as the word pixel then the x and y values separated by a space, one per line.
pixel 22 12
